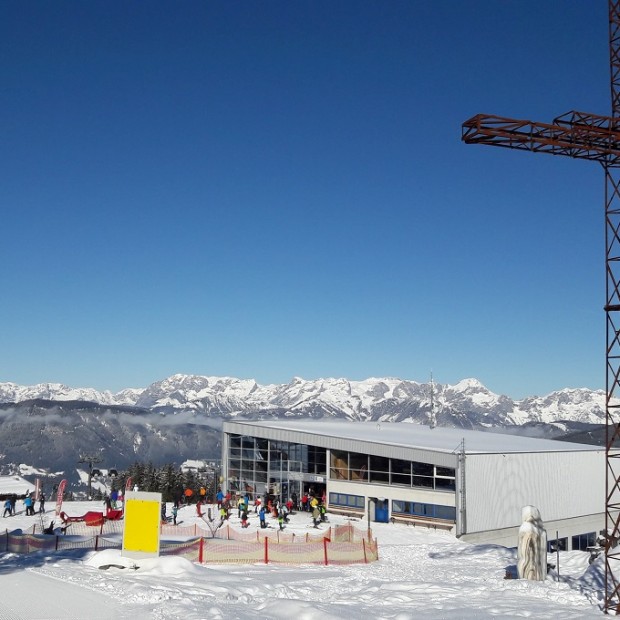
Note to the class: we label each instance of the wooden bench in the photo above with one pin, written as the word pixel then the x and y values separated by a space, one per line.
pixel 346 512
pixel 429 523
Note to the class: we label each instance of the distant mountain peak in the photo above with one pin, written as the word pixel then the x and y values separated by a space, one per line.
pixel 468 402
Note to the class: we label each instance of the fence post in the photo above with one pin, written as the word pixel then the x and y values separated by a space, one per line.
pixel 201 550
pixel 7 539
pixel 96 542
pixel 57 537
pixel 364 547
pixel 266 549
pixel 325 550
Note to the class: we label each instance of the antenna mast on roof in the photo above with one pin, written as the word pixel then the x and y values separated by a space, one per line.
pixel 431 420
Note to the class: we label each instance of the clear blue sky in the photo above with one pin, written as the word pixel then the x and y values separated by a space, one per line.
pixel 276 189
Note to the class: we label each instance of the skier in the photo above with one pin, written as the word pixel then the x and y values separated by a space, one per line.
pixel 323 512
pixel 7 507
pixel 42 502
pixel 316 516
pixel 174 514
pixel 223 514
pixel 28 504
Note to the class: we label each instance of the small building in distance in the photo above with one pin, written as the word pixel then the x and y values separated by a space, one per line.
pixel 15 485
pixel 473 483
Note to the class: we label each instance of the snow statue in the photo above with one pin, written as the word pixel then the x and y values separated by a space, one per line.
pixel 532 548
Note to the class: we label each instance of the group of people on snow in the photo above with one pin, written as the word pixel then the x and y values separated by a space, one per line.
pixel 269 506
pixel 10 504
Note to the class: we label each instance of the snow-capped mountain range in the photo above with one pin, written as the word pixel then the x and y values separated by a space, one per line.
pixel 49 426
pixel 467 403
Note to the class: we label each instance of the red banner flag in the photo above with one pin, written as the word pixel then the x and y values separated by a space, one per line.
pixel 59 496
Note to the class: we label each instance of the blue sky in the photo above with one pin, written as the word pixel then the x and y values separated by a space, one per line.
pixel 276 189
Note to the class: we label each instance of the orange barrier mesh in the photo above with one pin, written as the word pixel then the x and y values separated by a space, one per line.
pixel 186 530
pixel 28 543
pixel 345 532
pixel 337 545
pixel 76 542
pixel 189 550
pixel 232 552
pixel 289 553
pixel 109 543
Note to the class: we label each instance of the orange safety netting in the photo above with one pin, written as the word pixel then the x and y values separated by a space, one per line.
pixel 225 545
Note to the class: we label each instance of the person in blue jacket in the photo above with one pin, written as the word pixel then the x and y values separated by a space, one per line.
pixel 28 503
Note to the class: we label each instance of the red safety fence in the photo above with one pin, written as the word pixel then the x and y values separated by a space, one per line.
pixel 254 549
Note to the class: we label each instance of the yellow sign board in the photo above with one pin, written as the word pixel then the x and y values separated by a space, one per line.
pixel 141 524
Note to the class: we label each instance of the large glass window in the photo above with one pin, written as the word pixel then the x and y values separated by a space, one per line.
pixel 339 465
pixel 401 472
pixel 358 466
pixel 445 479
pixel 346 500
pixel 317 460
pixel 379 469
pixel 423 481
pixel 560 544
pixel 422 469
pixel 382 470
pixel 445 471
pixel 255 460
pixel 445 484
pixel 581 542
pixel 445 512
pixel 419 509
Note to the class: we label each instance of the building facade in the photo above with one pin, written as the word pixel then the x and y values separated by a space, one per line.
pixel 473 483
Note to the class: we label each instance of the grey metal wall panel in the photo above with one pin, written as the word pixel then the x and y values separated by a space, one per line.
pixel 561 485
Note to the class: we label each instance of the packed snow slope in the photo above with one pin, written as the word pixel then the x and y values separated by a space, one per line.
pixel 421 574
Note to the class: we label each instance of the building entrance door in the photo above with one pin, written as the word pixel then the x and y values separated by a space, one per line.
pixel 382 511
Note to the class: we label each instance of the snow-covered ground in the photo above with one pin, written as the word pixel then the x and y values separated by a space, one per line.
pixel 421 574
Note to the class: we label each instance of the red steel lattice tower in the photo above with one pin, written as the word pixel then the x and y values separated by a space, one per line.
pixel 597 138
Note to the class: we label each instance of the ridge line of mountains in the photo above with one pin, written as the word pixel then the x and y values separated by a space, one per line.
pixel 179 418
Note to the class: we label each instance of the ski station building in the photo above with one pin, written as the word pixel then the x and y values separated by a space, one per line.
pixel 472 483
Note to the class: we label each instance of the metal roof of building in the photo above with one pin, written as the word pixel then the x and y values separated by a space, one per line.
pixel 416 436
